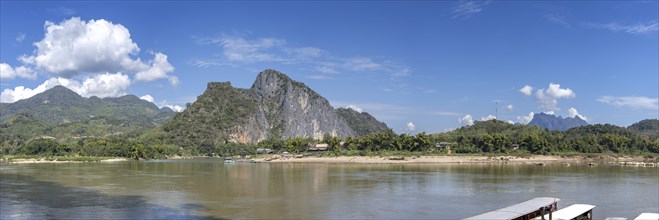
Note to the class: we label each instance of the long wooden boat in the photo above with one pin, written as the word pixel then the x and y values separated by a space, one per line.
pixel 522 211
pixel 573 212
pixel 647 216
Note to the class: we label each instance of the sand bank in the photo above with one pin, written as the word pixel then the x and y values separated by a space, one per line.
pixel 536 159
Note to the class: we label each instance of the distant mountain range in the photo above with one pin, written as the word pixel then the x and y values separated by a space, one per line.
pixel 553 122
pixel 62 113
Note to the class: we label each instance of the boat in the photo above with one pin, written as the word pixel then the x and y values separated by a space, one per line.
pixel 229 160
pixel 647 216
pixel 573 212
pixel 523 211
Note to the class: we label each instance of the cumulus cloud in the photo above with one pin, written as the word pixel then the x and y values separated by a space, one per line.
pixel 162 104
pixel 510 122
pixel 488 117
pixel 410 126
pixel 509 107
pixel 526 90
pixel 176 108
pixel 354 107
pixel 74 47
pixel 572 112
pixel 147 97
pixel 548 98
pixel 102 85
pixel 466 120
pixel 632 102
pixel 8 72
pixel 525 119
pixel 159 68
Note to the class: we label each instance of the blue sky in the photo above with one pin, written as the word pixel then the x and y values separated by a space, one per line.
pixel 417 65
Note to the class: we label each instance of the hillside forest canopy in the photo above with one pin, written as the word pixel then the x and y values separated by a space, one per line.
pixel 23 135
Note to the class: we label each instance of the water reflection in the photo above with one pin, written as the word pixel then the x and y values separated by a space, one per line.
pixel 191 188
pixel 23 197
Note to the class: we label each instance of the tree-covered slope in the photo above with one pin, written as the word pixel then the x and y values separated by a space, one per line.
pixel 361 123
pixel 275 107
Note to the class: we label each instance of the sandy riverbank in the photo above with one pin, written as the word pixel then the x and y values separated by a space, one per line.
pixel 60 160
pixel 536 159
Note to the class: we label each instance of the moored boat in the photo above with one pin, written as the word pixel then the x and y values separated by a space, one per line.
pixel 522 211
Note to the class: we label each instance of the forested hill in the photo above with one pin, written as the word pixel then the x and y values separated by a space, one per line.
pixel 498 136
pixel 275 107
pixel 61 105
pixel 63 114
pixel 647 127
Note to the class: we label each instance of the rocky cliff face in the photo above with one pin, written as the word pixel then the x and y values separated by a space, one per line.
pixel 274 107
pixel 292 109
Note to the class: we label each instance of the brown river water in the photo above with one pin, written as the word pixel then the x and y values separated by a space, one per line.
pixel 210 189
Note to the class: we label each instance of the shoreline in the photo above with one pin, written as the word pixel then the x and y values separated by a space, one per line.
pixel 540 160
pixel 468 159
pixel 60 160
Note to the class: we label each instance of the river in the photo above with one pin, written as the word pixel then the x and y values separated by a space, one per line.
pixel 210 189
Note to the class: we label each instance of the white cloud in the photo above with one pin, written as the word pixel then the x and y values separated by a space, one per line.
pixel 158 70
pixel 410 126
pixel 103 85
pixel 510 122
pixel 466 8
pixel 305 52
pixel 325 69
pixel 20 38
pixel 75 47
pixel 361 64
pixel 147 97
pixel 526 90
pixel 488 117
pixel 176 108
pixel 558 19
pixel 639 28
pixel 549 112
pixel 319 77
pixel 525 119
pixel 7 72
pixel 509 107
pixel 632 102
pixel 548 98
pixel 572 112
pixel 354 107
pixel 239 51
pixel 162 104
pixel 466 120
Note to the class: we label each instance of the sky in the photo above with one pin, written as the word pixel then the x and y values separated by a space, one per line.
pixel 418 66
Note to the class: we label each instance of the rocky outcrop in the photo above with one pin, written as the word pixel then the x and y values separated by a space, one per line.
pixel 274 107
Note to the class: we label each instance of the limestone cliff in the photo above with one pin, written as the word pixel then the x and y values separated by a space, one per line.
pixel 274 107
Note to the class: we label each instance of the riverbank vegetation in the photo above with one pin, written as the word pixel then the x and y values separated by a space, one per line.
pixel 483 138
